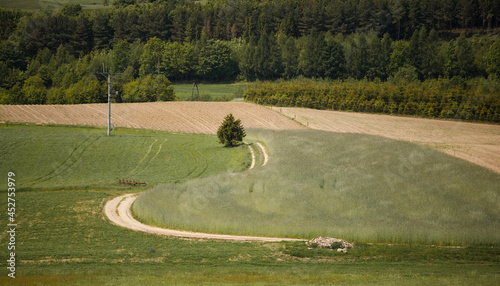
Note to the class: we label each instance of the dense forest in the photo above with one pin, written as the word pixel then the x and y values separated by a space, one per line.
pixel 58 57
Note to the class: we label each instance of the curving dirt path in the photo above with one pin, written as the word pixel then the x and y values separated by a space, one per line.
pixel 118 211
pixel 264 151
pixel 252 165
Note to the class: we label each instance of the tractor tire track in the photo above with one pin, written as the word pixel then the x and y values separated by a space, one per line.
pixel 145 161
pixel 207 162
pixel 70 161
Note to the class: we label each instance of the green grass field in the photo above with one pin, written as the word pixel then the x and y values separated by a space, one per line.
pixel 211 92
pixel 358 187
pixel 64 238
pixel 81 157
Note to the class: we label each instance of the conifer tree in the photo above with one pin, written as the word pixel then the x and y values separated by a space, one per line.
pixel 231 131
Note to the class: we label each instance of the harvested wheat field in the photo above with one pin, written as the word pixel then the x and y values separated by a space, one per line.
pixel 193 117
pixel 475 142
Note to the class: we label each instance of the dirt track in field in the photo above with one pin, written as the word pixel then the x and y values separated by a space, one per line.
pixel 475 142
pixel 193 117
pixel 118 211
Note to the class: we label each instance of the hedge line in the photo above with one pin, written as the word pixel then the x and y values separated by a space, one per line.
pixel 474 100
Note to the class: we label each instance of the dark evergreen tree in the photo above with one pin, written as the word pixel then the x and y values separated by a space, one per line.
pixel 83 38
pixel 397 12
pixel 334 59
pixel 101 29
pixel 267 58
pixel 311 62
pixel 246 61
pixel 357 56
pixel 231 131
pixel 290 58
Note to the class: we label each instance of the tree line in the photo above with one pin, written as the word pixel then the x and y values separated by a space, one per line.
pixel 186 21
pixel 58 56
pixel 473 100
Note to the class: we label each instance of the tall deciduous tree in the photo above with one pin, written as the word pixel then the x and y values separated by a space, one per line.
pixel 151 58
pixel 34 90
pixel 179 60
pixel 460 60
pixel 492 58
pixel 149 88
pixel 119 56
pixel 399 56
pixel 215 62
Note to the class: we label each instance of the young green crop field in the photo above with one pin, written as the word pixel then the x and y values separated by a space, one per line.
pixel 211 92
pixel 82 157
pixel 64 238
pixel 359 187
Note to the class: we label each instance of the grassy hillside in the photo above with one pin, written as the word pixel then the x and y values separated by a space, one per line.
pixel 359 187
pixel 82 157
pixel 63 237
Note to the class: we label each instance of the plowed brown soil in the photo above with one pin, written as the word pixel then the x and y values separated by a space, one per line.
pixel 193 117
pixel 475 142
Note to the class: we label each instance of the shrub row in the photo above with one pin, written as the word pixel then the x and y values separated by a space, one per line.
pixel 475 100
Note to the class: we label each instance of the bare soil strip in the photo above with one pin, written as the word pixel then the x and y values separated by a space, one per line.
pixel 192 117
pixel 118 211
pixel 478 143
pixel 252 165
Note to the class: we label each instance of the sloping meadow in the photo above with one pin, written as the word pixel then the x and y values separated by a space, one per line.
pixel 66 157
pixel 352 186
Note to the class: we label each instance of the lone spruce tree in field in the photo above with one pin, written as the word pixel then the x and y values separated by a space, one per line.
pixel 230 131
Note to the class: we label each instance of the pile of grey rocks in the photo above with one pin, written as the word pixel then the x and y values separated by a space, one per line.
pixel 330 242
